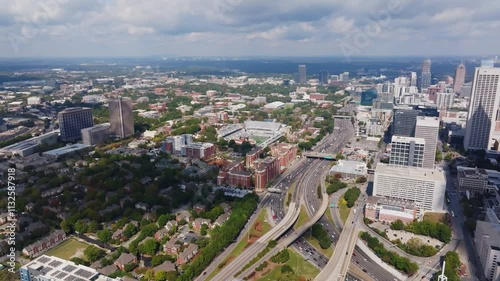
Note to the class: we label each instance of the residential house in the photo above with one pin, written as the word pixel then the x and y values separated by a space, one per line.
pixel 199 222
pixel 187 254
pixel 221 219
pixel 184 215
pixel 162 232
pixel 171 246
pixel 142 206
pixel 44 244
pixel 170 225
pixel 118 234
pixel 125 259
pixel 166 266
pixel 108 270
pixel 199 208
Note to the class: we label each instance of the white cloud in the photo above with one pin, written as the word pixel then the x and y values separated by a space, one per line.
pixel 240 26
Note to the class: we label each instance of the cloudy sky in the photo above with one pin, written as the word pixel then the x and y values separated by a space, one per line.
pixel 248 27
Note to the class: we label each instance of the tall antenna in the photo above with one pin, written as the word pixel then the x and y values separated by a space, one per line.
pixel 442 277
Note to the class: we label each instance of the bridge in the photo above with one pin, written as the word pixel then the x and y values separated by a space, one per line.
pixel 275 190
pixel 289 239
pixel 258 246
pixel 318 155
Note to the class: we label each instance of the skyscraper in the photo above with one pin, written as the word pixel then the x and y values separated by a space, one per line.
pixel 413 79
pixel 425 78
pixel 459 78
pixel 403 122
pixel 407 151
pixel 323 77
pixel 72 121
pixel 302 78
pixel 344 77
pixel 121 117
pixel 483 109
pixel 427 128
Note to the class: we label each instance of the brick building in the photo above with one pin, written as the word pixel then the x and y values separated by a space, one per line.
pixel 285 153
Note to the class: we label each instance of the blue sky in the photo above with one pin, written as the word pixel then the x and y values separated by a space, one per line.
pixel 77 28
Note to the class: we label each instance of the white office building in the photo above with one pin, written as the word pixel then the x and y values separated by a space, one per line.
pixel 423 187
pixel 407 151
pixel 96 135
pixel 427 128
pixel 34 100
pixel 483 108
pixel 487 240
pixel 445 100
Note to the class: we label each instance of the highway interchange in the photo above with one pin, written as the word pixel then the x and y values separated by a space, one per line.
pixel 306 173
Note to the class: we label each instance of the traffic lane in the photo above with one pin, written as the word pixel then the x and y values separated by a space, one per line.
pixel 370 267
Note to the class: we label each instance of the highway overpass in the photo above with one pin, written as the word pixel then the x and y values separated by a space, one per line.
pixel 318 155
pixel 288 240
pixel 258 246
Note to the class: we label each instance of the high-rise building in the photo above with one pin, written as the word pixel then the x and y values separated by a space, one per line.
pixel 459 78
pixel 72 121
pixel 427 128
pixel 413 79
pixel 423 187
pixel 97 134
pixel 334 77
pixel 344 77
pixel 407 151
pixel 426 76
pixel 483 109
pixel 367 97
pixel 445 100
pixel 487 240
pixel 121 117
pixel 302 77
pixel 403 122
pixel 487 63
pixel 323 77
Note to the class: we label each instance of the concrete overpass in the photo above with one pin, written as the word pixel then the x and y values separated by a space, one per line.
pixel 318 155
pixel 337 267
pixel 348 117
pixel 258 246
pixel 288 240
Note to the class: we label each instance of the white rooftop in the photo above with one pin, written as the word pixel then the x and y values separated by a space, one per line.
pixel 410 172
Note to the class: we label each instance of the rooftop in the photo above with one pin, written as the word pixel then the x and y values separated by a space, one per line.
pixel 65 150
pixel 409 172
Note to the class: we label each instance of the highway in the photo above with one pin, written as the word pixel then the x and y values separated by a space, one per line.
pixel 258 246
pixel 289 238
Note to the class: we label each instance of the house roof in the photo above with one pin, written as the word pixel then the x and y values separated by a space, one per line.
pixel 108 270
pixel 125 258
pixel 166 266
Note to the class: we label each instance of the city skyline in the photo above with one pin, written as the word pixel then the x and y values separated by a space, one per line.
pixel 207 28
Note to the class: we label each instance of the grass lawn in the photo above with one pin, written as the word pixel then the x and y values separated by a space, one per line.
pixel 303 218
pixel 343 210
pixel 243 244
pixel 435 217
pixel 314 242
pixel 329 215
pixel 69 249
pixel 289 193
pixel 300 266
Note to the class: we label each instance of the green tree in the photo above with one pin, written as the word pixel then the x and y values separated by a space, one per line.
pixel 65 226
pixel 92 253
pixel 104 235
pixel 149 247
pixel 286 269
pixel 161 276
pixel 397 225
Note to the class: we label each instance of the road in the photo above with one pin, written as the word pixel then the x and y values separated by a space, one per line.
pixel 288 239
